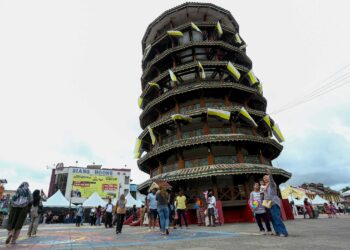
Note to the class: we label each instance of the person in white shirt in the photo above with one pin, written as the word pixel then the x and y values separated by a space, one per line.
pixel 108 214
pixel 211 209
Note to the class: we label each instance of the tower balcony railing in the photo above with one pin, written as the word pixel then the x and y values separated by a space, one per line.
pixel 251 159
pixel 192 133
pixel 163 43
pixel 221 130
pixel 196 162
pixel 244 130
pixel 170 167
pixel 168 139
pixel 225 159
pixel 266 161
pixel 194 50
pixel 149 103
pixel 190 107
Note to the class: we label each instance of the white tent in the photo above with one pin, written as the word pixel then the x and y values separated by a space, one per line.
pixel 140 197
pixel 130 201
pixel 346 193
pixel 94 201
pixel 318 200
pixel 57 200
pixel 298 202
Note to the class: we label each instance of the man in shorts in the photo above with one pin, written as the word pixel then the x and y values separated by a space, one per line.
pixel 152 209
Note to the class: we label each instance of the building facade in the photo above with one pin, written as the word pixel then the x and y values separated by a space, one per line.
pixel 325 192
pixel 78 183
pixel 203 114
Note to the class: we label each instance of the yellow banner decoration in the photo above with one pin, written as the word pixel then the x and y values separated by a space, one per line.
pixel 260 88
pixel 232 69
pixel 243 47
pixel 175 33
pixel 172 76
pixel 252 78
pixel 238 38
pixel 219 29
pixel 147 50
pixel 154 84
pixel 247 117
pixel 181 117
pixel 137 148
pixel 220 113
pixel 266 120
pixel 195 27
pixel 202 69
pixel 153 137
pixel 277 133
pixel 140 101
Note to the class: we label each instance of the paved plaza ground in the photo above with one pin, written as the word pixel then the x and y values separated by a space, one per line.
pixel 322 233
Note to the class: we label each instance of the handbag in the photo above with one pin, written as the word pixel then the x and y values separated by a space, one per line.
pixel 267 203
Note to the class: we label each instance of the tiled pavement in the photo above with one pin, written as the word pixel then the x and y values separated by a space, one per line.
pixel 87 237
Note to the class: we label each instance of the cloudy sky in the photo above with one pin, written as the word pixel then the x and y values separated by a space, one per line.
pixel 70 80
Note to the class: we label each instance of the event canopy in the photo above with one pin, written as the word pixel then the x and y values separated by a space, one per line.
pixel 318 200
pixel 57 200
pixel 130 201
pixel 94 201
pixel 298 202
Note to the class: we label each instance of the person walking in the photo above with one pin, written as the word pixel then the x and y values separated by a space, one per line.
pixel 200 206
pixel 121 210
pixel 98 215
pixel 79 215
pixel 308 208
pixel 18 212
pixel 273 203
pixel 327 210
pixel 180 204
pixel 333 209
pixel 162 198
pixel 93 217
pixel 211 209
pixel 259 211
pixel 152 206
pixel 108 214
pixel 35 212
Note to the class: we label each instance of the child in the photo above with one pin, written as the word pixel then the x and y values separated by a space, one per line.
pixel 255 202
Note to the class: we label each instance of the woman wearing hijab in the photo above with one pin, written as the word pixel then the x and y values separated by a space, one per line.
pixel 18 213
pixel 121 210
pixel 35 213
pixel 273 204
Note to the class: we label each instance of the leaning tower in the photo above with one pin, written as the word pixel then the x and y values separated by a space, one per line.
pixel 203 114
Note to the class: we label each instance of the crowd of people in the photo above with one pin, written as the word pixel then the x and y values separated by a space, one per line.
pixel 308 210
pixel 163 207
pixel 169 209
